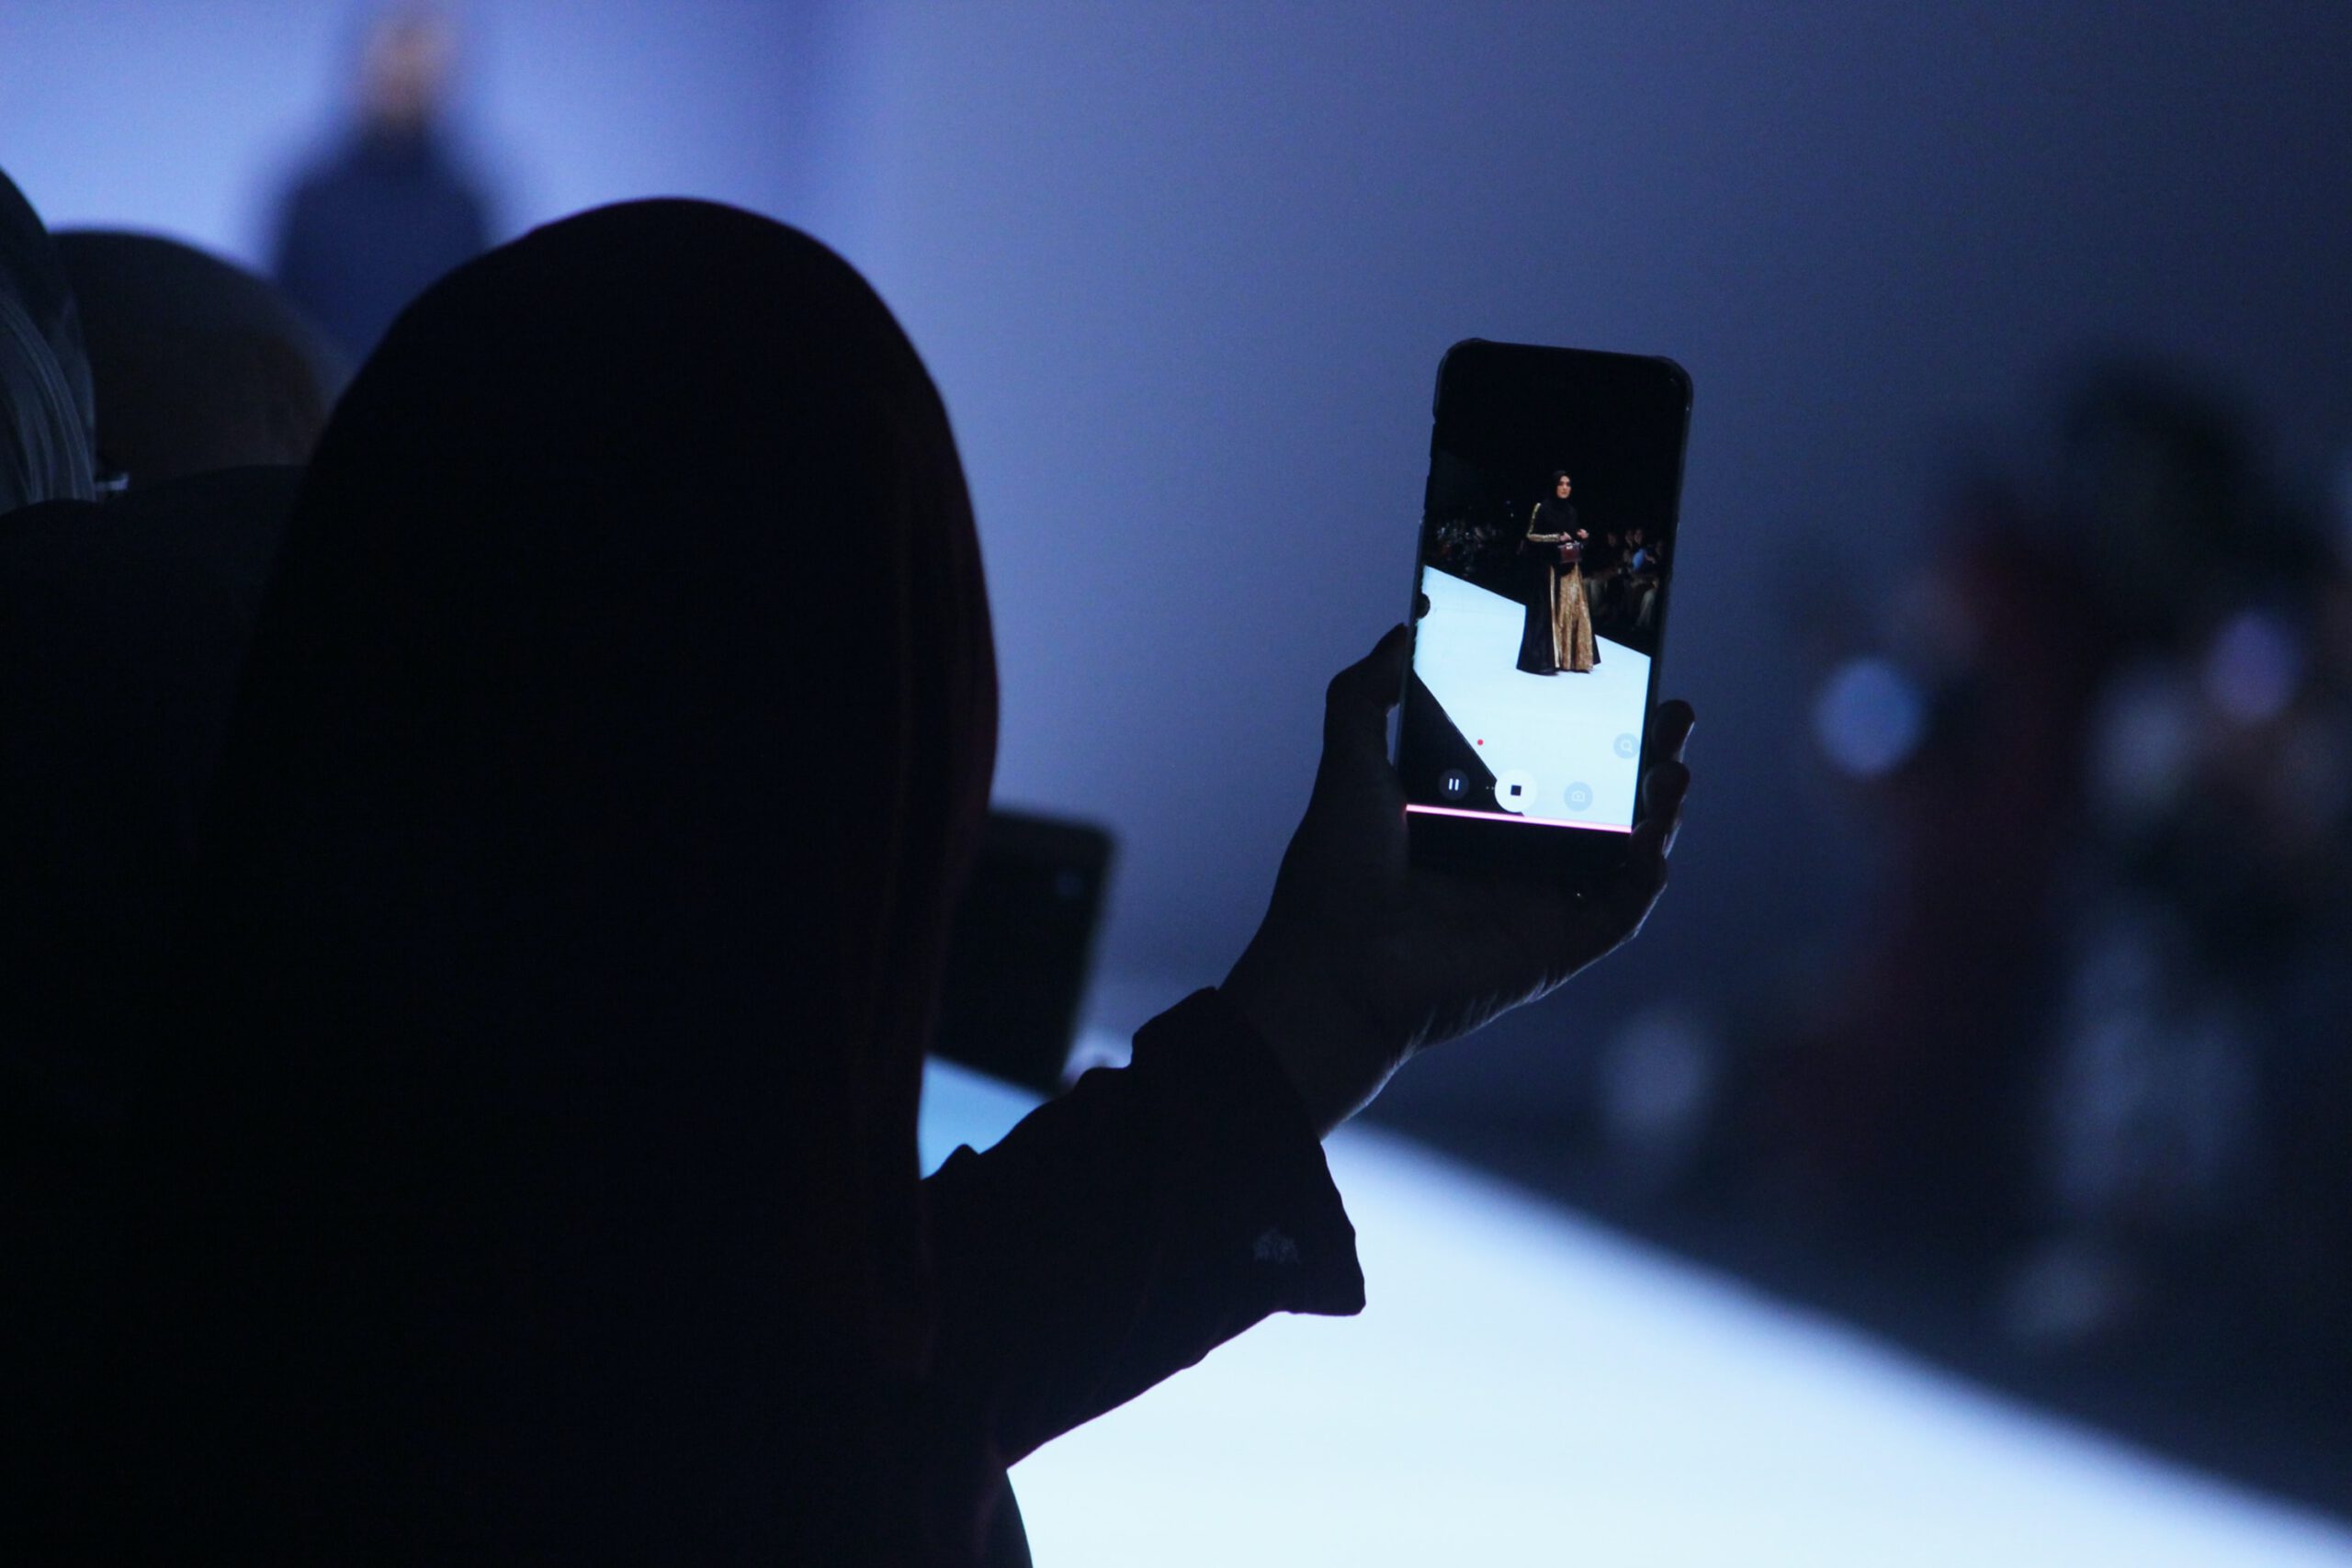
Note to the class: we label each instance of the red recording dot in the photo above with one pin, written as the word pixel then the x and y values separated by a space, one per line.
pixel 1482 743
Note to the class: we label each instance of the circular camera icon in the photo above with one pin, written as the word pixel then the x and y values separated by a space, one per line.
pixel 1626 745
pixel 1579 797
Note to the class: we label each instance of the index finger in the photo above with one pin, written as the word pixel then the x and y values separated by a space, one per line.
pixel 1670 732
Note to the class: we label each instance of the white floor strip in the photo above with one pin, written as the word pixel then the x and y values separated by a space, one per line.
pixel 1529 1388
pixel 1567 737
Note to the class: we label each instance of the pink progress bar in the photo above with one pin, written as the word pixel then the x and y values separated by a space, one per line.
pixel 1507 817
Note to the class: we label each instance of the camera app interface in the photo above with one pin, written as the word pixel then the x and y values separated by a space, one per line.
pixel 1546 551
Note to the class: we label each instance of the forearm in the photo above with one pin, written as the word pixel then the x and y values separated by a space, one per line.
pixel 1122 1231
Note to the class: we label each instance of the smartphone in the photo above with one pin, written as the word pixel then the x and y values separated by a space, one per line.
pixel 1021 948
pixel 1546 566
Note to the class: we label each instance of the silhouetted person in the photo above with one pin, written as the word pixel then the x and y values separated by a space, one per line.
pixel 530 1168
pixel 1643 569
pixel 123 625
pixel 199 365
pixel 1923 1091
pixel 365 232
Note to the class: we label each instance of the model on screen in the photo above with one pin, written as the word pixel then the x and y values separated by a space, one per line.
pixel 1559 618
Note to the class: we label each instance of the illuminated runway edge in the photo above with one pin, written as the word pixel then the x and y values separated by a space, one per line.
pixel 1527 1387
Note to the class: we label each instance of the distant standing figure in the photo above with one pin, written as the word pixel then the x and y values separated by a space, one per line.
pixel 1558 637
pixel 365 231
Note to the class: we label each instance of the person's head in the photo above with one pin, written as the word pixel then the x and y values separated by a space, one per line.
pixel 45 399
pixel 623 689
pixel 199 365
pixel 575 499
pixel 1560 485
pixel 404 68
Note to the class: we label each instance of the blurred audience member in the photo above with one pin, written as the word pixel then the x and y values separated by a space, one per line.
pixel 46 413
pixel 199 365
pixel 2097 1028
pixel 123 625
pixel 364 232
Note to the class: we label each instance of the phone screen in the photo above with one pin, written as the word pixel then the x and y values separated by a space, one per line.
pixel 1546 560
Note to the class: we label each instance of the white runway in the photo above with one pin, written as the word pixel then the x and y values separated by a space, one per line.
pixel 1555 731
pixel 1528 1388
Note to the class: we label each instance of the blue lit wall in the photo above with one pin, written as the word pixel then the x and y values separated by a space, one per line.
pixel 1185 272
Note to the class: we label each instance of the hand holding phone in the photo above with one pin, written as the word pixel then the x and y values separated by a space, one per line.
pixel 1365 957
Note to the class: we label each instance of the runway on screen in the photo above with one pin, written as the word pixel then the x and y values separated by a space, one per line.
pixel 1557 731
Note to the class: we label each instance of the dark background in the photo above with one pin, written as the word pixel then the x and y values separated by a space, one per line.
pixel 1515 417
pixel 1509 417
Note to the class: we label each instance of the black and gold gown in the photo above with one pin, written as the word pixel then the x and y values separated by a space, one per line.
pixel 1559 635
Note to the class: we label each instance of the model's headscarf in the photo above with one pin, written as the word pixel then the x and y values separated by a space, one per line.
pixel 46 414
pixel 614 737
pixel 199 364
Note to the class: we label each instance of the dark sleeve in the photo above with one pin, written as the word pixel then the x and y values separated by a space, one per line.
pixel 1122 1232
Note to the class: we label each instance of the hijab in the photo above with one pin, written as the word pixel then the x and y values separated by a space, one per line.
pixel 199 364
pixel 46 406
pixel 614 735
pixel 123 625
